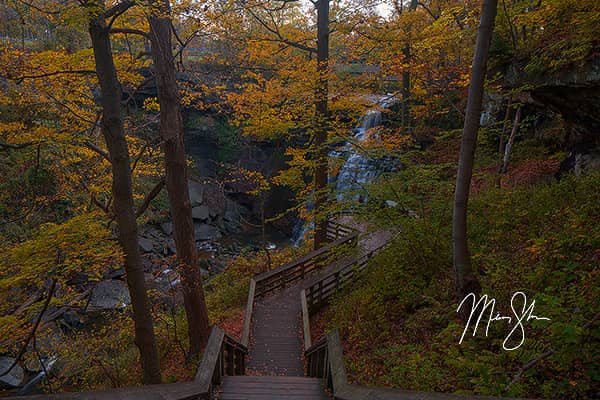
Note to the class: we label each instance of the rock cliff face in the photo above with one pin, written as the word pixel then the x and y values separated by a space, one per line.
pixel 221 155
pixel 574 94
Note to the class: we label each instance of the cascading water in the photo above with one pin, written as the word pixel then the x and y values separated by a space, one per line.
pixel 357 171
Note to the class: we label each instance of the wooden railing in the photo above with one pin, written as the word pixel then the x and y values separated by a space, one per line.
pixel 316 359
pixel 339 235
pixel 336 231
pixel 296 270
pixel 248 316
pixel 318 294
pixel 223 356
pixel 325 359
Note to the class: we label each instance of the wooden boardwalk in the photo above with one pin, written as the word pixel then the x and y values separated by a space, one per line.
pixel 272 388
pixel 275 365
pixel 276 346
pixel 275 342
pixel 275 350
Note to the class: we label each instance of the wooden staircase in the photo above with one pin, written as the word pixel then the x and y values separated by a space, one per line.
pixel 276 348
pixel 271 388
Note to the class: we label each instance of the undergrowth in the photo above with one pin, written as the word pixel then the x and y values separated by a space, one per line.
pixel 399 322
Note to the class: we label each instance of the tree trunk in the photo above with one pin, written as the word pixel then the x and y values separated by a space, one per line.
pixel 501 143
pixel 171 131
pixel 406 121
pixel 465 280
pixel 511 140
pixel 114 135
pixel 321 123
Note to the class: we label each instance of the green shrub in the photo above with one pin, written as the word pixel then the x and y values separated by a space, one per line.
pixel 399 321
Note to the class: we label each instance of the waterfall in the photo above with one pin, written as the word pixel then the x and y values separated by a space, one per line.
pixel 357 171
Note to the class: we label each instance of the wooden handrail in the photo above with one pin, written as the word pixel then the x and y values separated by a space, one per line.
pixel 296 270
pixel 305 320
pixel 331 357
pixel 336 230
pixel 307 257
pixel 248 316
pixel 223 355
pixel 319 292
pixel 211 361
pixel 172 391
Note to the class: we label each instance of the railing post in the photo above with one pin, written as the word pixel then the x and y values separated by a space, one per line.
pixel 320 293
pixel 230 365
pixel 240 362
pixel 282 279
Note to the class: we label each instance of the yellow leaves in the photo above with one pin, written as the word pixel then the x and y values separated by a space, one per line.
pixel 294 176
pixel 57 250
pixel 193 99
pixel 151 104
pixel 11 328
pixel 250 182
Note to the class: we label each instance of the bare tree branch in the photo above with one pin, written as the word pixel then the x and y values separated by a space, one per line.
pixel 130 31
pixel 20 79
pixel 153 193
pixel 119 8
pixel 10 146
pixel 98 150
pixel 34 328
pixel 279 37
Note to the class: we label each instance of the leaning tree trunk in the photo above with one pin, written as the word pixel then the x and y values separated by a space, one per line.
pixel 465 279
pixel 406 78
pixel 123 205
pixel 171 131
pixel 511 140
pixel 321 123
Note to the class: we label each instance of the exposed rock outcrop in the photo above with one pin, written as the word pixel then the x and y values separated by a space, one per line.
pixel 14 377
pixel 574 94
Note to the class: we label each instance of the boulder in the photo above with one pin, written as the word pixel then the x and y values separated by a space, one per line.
pixel 206 232
pixel 581 160
pixel 109 295
pixel 148 264
pixel 232 226
pixel 167 228
pixel 171 246
pixel 16 375
pixel 146 245
pixel 153 233
pixel 201 213
pixel 196 191
pixel 232 212
pixel 73 319
pixel 115 274
pixel 78 279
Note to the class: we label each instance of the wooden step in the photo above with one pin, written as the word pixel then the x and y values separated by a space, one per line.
pixel 271 388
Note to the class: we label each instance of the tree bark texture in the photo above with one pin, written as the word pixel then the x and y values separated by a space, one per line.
pixel 465 279
pixel 123 205
pixel 321 124
pixel 171 131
